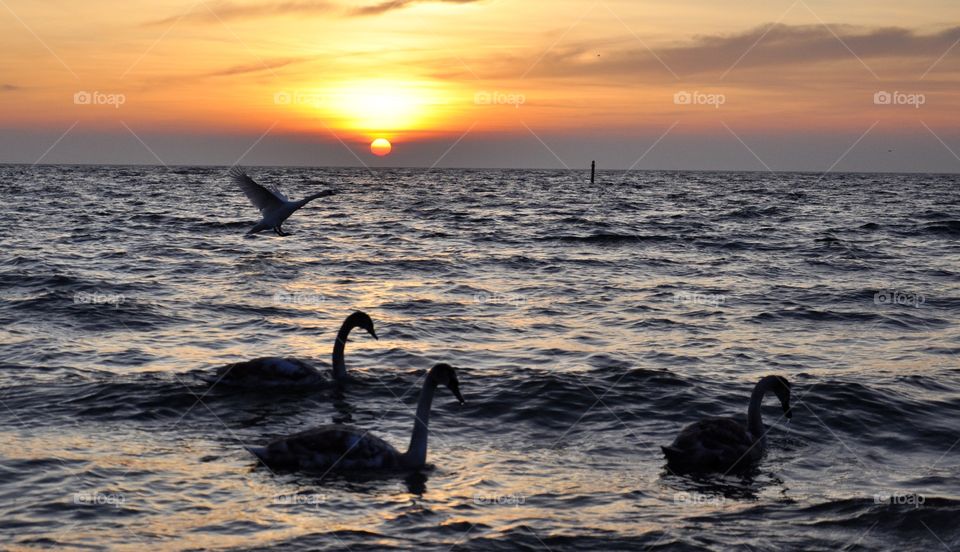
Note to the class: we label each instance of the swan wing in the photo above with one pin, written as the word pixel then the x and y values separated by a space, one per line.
pixel 262 197
pixel 268 371
pixel 329 447
pixel 712 444
pixel 275 190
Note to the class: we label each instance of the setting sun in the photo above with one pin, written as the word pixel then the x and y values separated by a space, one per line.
pixel 381 147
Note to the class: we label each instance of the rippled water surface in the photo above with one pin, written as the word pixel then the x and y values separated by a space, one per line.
pixel 589 324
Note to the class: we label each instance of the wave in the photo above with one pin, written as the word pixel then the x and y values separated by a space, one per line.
pixel 613 238
pixel 940 228
pixel 752 212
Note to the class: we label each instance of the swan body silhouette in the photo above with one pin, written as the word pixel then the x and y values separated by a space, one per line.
pixel 727 444
pixel 344 448
pixel 277 371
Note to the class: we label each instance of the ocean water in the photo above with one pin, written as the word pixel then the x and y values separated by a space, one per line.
pixel 589 324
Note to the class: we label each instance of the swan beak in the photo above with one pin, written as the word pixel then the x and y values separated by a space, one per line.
pixel 374 334
pixel 456 393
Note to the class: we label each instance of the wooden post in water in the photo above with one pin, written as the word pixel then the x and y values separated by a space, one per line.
pixel 593 171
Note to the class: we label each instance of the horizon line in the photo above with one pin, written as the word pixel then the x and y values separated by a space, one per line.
pixel 433 169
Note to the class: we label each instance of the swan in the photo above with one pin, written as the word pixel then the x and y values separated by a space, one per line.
pixel 726 444
pixel 276 371
pixel 274 206
pixel 337 447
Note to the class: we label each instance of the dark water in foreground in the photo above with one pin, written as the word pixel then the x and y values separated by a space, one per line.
pixel 589 324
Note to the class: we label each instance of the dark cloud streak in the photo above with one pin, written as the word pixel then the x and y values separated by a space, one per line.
pixel 228 11
pixel 252 67
pixel 392 5
pixel 782 46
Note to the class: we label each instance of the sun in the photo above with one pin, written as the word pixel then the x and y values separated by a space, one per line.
pixel 381 147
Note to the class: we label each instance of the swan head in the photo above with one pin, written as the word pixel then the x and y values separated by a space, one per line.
pixel 781 388
pixel 444 374
pixel 361 319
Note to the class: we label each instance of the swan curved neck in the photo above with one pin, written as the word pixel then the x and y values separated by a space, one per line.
pixel 339 365
pixel 754 421
pixel 416 454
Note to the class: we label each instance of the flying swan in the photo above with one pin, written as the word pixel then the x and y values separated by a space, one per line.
pixel 726 444
pixel 275 371
pixel 337 447
pixel 274 206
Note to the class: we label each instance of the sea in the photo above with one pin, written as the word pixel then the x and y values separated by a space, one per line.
pixel 588 322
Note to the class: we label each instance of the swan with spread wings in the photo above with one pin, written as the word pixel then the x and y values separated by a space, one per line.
pixel 274 206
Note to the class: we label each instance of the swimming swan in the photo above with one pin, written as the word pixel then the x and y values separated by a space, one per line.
pixel 726 444
pixel 274 371
pixel 274 206
pixel 337 447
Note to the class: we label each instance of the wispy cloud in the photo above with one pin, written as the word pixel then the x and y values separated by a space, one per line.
pixel 223 11
pixel 226 11
pixel 266 65
pixel 9 88
pixel 254 68
pixel 770 47
pixel 392 5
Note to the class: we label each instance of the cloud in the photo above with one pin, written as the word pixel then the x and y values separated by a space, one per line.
pixel 392 5
pixel 265 65
pixel 774 47
pixel 226 11
pixel 259 66
pixel 9 88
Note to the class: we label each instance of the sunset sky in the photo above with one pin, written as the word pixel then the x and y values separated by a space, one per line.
pixel 764 84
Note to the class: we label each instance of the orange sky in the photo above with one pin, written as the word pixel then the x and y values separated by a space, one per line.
pixel 433 70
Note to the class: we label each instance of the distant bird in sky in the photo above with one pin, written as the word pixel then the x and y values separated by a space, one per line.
pixel 274 206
